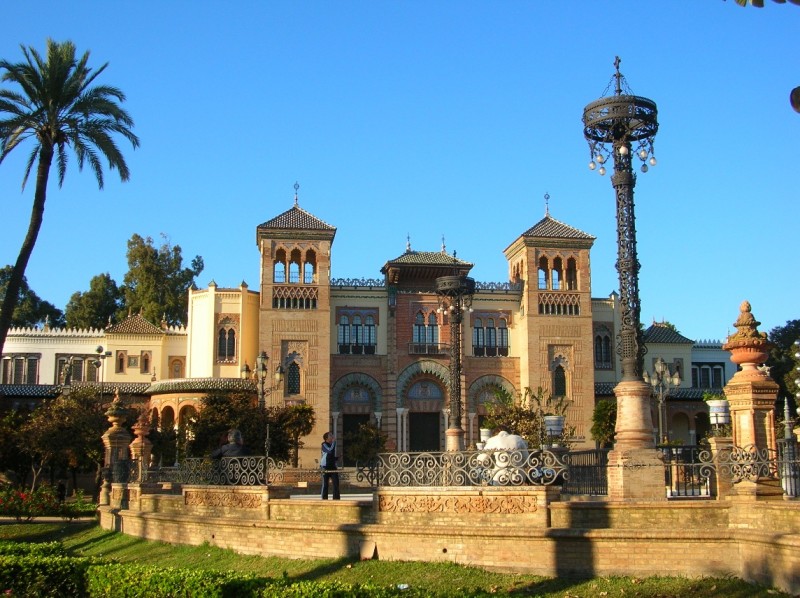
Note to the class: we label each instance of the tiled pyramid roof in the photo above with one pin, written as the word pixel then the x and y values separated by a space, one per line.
pixel 428 258
pixel 661 333
pixel 550 228
pixel 135 324
pixel 297 218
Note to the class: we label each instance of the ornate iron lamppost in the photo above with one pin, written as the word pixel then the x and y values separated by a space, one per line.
pixel 661 381
pixel 262 373
pixel 100 365
pixel 620 127
pixel 455 294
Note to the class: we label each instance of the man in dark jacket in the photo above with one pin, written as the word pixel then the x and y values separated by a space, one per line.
pixel 328 464
pixel 234 448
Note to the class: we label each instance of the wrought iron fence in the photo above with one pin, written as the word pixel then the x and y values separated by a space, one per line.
pixel 470 468
pixel 587 472
pixel 688 471
pixel 227 471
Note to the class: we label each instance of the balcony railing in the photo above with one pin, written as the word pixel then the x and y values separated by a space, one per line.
pixel 428 349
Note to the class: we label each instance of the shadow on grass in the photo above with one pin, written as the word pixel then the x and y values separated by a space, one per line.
pixel 36 531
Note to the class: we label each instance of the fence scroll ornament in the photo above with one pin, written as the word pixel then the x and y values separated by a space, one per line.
pixel 471 468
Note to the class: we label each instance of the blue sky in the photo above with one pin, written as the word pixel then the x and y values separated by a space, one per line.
pixel 427 119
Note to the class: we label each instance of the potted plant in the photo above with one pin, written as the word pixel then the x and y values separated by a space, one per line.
pixel 719 411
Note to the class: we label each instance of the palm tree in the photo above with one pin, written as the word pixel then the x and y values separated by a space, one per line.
pixel 57 107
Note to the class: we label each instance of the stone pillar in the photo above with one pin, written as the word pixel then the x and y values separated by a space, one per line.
pixel 721 447
pixel 752 395
pixel 141 447
pixel 635 468
pixel 116 441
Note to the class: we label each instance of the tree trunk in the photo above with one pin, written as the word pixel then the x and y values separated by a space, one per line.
pixel 18 271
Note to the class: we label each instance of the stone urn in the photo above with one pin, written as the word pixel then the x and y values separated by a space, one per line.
pixel 748 347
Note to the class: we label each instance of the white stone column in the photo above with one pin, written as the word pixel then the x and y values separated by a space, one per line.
pixel 335 422
pixel 471 434
pixel 402 419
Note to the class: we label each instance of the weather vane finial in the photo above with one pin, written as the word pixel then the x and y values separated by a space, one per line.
pixel 296 187
pixel 618 75
pixel 408 243
pixel 546 203
pixel 444 248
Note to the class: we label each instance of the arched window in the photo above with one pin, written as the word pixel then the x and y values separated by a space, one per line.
pixel 433 329
pixel 293 379
pixel 418 336
pixel 120 362
pixel 559 382
pixel 344 335
pixel 226 344
pixel 145 366
pixel 357 333
pixel 543 273
pixel 294 267
pixel 310 267
pixel 602 351
pixel 279 267
pixel 558 274
pixel 572 275
pixel 491 338
pixel 502 338
pixel 478 338
pixel 369 335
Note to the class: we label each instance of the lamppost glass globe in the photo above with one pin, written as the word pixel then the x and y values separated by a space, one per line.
pixel 652 161
pixel 643 154
pixel 644 168
pixel 602 171
pixel 592 165
pixel 623 150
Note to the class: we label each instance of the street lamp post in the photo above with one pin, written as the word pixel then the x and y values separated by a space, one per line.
pixel 620 127
pixel 455 297
pixel 262 374
pixel 661 381
pixel 100 364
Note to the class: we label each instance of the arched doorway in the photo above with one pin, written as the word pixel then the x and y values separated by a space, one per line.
pixel 679 429
pixel 425 403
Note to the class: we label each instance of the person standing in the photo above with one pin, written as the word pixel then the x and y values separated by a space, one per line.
pixel 328 464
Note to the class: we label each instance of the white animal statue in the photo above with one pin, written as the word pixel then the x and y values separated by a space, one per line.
pixel 505 459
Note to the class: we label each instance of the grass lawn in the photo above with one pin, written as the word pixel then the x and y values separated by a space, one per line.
pixel 85 538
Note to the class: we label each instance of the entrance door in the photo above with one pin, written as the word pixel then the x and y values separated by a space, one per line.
pixel 350 424
pixel 424 432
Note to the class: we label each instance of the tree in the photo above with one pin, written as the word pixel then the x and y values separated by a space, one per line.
pixel 781 361
pixel 363 445
pixel 156 283
pixel 95 307
pixel 604 422
pixel 524 415
pixel 57 106
pixel 297 421
pixel 30 309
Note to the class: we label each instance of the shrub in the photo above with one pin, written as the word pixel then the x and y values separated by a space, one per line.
pixel 26 505
pixel 43 575
pixel 25 549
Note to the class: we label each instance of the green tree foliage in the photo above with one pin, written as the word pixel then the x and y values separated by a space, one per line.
pixel 157 283
pixel 30 309
pixel 65 433
pixel 15 464
pixel 296 421
pixel 54 104
pixel 363 445
pixel 782 362
pixel 95 307
pixel 524 415
pixel 604 422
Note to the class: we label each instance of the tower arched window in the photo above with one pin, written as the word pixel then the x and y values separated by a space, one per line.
pixel 418 333
pixel 293 379
pixel 279 267
pixel 602 351
pixel 226 344
pixel 310 267
pixel 294 267
pixel 544 272
pixel 559 381
pixel 572 274
pixel 558 274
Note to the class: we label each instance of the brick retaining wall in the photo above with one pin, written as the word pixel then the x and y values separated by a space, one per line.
pixel 509 529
